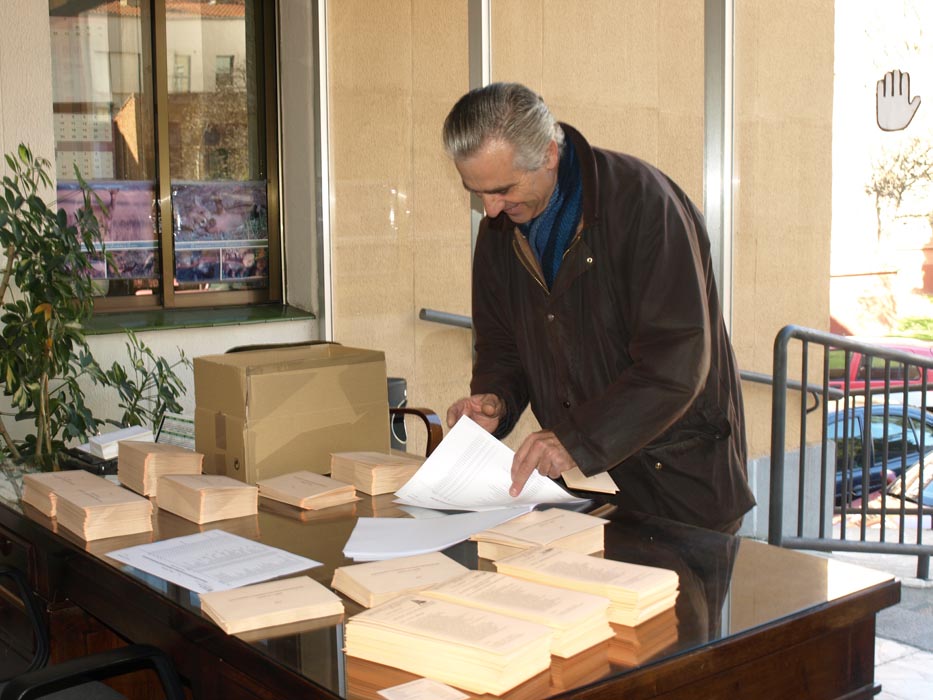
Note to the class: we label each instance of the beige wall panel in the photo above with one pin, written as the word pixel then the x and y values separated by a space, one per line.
pixel 783 198
pixel 680 56
pixel 601 53
pixel 369 45
pixel 25 84
pixel 681 138
pixel 371 136
pixel 518 41
pixel 443 206
pixel 442 355
pixel 401 221
pixel 793 56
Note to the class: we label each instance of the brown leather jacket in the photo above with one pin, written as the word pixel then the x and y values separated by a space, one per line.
pixel 626 358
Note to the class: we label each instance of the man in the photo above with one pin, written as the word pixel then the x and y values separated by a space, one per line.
pixel 594 301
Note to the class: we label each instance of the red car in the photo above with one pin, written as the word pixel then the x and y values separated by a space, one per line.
pixel 859 372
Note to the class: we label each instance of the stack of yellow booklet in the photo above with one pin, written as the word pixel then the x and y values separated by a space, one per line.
pixel 307 490
pixel 632 646
pixel 39 489
pixel 270 604
pixel 477 650
pixel 637 593
pixel 205 498
pixel 374 473
pixel 554 527
pixel 103 509
pixel 376 582
pixel 578 620
pixel 140 464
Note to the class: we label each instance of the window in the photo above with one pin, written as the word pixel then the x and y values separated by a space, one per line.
pixel 848 439
pixel 181 79
pixel 165 108
pixel 223 72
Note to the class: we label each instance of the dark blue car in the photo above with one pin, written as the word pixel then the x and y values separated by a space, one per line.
pixel 888 452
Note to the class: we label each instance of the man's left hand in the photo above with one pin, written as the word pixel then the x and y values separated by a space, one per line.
pixel 541 451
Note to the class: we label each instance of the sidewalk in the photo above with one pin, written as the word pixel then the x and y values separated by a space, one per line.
pixel 904 670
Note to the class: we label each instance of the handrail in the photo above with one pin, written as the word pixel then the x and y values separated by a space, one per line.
pixel 824 492
pixel 445 318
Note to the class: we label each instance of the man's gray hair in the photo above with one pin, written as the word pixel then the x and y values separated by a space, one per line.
pixel 507 111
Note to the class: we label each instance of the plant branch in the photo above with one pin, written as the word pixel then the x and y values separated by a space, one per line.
pixel 11 446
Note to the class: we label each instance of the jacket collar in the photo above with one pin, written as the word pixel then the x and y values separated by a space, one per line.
pixel 588 171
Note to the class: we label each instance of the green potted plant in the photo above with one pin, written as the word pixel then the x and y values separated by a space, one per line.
pixel 46 294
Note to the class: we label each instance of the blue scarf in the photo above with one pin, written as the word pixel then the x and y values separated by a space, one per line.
pixel 551 231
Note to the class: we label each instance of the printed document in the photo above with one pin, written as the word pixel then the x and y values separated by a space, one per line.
pixel 212 561
pixel 472 470
pixel 374 539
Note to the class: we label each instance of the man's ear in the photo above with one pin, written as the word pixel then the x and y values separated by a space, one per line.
pixel 552 159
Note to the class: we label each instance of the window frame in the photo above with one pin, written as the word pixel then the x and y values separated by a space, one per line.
pixel 156 73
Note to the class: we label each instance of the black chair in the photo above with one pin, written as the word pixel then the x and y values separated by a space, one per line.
pixel 78 679
pixel 432 422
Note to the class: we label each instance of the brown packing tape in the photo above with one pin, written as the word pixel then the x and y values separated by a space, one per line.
pixel 220 431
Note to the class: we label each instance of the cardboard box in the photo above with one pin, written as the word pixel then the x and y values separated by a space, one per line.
pixel 262 413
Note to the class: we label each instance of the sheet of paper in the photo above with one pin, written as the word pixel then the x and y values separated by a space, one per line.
pixel 374 539
pixel 213 560
pixel 422 689
pixel 472 470
pixel 601 483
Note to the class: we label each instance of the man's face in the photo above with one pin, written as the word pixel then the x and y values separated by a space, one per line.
pixel 522 194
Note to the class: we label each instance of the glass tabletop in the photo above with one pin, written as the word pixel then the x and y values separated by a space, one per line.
pixel 727 585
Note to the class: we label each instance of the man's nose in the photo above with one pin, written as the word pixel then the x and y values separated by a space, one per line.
pixel 493 204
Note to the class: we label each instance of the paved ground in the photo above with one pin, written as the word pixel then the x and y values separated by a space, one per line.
pixel 911 621
pixel 904 648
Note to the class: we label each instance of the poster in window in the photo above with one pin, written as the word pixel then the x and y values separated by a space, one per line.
pixel 125 211
pixel 220 211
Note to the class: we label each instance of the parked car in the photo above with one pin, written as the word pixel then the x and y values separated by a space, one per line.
pixel 860 374
pixel 887 453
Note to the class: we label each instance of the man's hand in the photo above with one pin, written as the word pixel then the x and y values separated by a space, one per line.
pixel 486 410
pixel 541 451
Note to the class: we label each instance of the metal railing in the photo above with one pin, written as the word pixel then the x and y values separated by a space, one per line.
pixel 880 421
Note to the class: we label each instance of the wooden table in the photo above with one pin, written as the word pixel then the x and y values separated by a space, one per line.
pixel 751 621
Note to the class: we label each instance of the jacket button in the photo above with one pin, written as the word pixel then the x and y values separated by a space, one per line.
pixel 566 404
pixel 658 465
pixel 550 317
pixel 589 261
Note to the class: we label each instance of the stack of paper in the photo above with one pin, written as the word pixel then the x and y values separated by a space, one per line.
pixel 341 512
pixel 39 489
pixel 479 651
pixel 102 510
pixel 376 582
pixel 307 490
pixel 472 470
pixel 633 646
pixel 637 592
pixel 140 464
pixel 205 498
pixel 579 670
pixel 374 473
pixel 269 604
pixel 107 445
pixel 579 620
pixel 554 527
